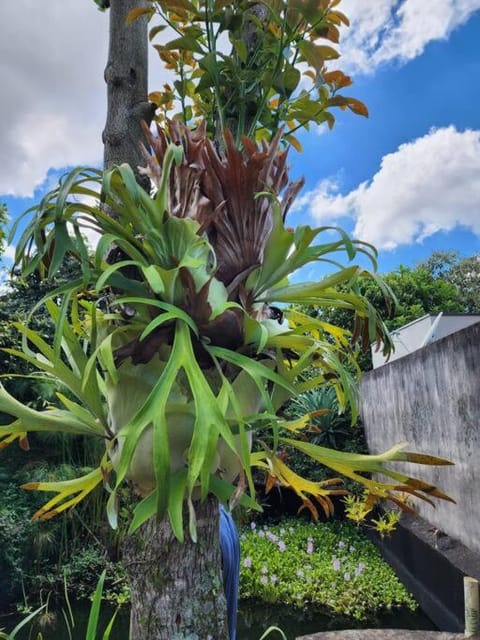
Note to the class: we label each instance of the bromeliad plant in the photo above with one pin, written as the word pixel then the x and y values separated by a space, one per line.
pixel 170 344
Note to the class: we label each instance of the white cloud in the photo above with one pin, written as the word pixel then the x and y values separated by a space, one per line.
pixel 428 185
pixel 53 103
pixel 392 30
pixel 52 112
pixel 53 108
pixel 8 254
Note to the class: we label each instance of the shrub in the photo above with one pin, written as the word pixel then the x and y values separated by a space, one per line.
pixel 332 565
pixel 15 534
pixel 332 429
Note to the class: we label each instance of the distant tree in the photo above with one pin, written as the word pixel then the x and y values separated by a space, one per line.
pixel 418 292
pixel 427 288
pixel 20 296
pixel 439 263
pixel 462 273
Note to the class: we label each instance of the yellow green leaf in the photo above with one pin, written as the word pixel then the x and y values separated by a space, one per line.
pixel 138 12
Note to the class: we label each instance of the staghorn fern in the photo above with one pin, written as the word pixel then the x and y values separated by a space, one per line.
pixel 168 342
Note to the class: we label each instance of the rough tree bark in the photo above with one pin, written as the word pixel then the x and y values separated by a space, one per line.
pixel 176 589
pixel 126 75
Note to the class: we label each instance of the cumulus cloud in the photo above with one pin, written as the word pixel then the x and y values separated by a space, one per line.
pixel 8 254
pixel 390 30
pixel 53 102
pixel 430 184
pixel 52 110
pixel 53 106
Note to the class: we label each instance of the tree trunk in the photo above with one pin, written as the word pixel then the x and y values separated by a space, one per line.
pixel 176 587
pixel 126 75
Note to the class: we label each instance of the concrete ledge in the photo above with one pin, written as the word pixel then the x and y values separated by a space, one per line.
pixel 432 566
pixel 385 634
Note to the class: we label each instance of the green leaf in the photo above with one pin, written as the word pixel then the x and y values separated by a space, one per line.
pixel 108 630
pixel 55 420
pixel 117 266
pixel 94 616
pixel 153 409
pixel 23 623
pixel 270 630
pixel 173 155
pixel 143 511
pixel 315 293
pixel 62 245
pixel 185 43
pixel 224 490
pixel 154 278
pixel 175 312
pixel 176 502
pixel 316 54
pixel 276 254
pixel 209 420
pixel 255 370
pixel 112 510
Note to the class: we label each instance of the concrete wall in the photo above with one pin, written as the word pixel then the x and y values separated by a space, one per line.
pixel 412 336
pixel 431 398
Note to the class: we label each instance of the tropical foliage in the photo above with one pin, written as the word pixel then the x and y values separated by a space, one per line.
pixel 177 343
pixel 417 293
pixel 44 618
pixel 329 426
pixel 461 272
pixel 182 316
pixel 250 67
pixel 19 297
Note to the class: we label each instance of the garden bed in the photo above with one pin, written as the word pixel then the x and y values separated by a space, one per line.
pixel 332 566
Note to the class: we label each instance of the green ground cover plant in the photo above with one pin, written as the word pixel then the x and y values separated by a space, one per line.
pixel 331 565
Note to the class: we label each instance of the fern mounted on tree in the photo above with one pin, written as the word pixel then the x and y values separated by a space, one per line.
pixel 178 342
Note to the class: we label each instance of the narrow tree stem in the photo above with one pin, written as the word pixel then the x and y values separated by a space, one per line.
pixel 126 75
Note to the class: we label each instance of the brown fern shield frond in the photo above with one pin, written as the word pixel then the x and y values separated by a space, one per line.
pixel 222 193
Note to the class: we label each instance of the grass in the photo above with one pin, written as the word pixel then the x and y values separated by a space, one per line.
pixel 330 565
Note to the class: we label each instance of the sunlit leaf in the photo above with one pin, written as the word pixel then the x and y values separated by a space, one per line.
pixel 138 12
pixel 69 492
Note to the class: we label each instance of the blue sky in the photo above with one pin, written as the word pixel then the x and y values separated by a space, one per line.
pixel 407 179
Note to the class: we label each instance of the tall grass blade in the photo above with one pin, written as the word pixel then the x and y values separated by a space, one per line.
pixel 270 630
pixel 95 609
pixel 13 634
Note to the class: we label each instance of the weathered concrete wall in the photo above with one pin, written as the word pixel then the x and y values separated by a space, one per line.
pixel 431 398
